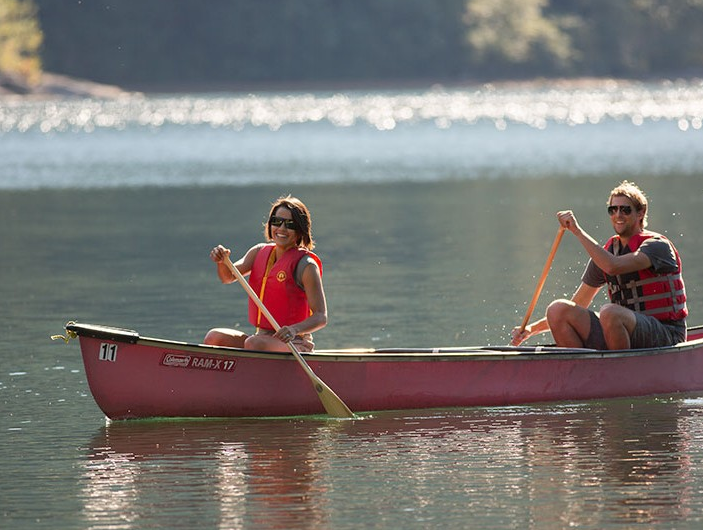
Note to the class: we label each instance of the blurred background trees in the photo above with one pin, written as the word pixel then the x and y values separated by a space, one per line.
pixel 20 41
pixel 190 44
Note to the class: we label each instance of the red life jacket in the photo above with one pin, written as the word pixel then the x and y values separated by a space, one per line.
pixel 284 299
pixel 662 296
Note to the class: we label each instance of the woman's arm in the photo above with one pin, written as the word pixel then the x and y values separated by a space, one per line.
pixel 315 293
pixel 244 264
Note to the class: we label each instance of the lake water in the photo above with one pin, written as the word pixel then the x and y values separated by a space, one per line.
pixel 433 213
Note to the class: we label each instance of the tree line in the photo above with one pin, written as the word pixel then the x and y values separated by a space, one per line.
pixel 20 41
pixel 190 43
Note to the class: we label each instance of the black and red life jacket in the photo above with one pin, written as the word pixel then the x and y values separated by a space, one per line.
pixel 662 296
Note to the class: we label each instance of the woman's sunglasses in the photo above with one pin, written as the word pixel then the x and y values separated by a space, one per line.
pixel 625 209
pixel 278 221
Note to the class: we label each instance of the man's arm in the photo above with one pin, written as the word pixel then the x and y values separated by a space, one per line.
pixel 609 263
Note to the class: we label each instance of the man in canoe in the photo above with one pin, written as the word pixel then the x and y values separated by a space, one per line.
pixel 286 276
pixel 642 270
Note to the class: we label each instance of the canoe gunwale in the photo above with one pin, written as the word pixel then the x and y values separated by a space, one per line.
pixel 129 336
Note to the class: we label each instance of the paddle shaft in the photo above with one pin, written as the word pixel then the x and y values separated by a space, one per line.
pixel 332 403
pixel 543 278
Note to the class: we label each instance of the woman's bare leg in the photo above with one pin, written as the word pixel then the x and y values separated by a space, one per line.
pixel 225 337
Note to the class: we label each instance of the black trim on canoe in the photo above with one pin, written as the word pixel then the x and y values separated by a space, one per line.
pixel 525 349
pixel 104 332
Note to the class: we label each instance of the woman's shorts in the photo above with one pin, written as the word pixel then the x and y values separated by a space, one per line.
pixel 303 343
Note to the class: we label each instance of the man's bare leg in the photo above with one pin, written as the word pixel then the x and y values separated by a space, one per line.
pixel 569 323
pixel 618 325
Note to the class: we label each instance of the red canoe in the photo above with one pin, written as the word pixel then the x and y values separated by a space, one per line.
pixel 139 377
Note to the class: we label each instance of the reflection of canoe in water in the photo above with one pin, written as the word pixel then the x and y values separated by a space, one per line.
pixel 138 377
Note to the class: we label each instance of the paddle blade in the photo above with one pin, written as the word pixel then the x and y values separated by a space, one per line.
pixel 334 406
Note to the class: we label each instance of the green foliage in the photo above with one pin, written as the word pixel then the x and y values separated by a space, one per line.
pixel 20 40
pixel 516 32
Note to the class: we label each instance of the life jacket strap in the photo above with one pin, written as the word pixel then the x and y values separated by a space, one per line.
pixel 269 266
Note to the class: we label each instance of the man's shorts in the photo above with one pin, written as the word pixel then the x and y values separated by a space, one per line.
pixel 649 333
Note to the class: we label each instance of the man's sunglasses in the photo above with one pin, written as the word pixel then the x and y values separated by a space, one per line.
pixel 626 209
pixel 278 221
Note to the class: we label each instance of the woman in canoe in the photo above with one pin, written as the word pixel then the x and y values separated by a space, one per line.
pixel 287 277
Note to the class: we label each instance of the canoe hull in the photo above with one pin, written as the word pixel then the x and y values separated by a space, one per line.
pixel 133 377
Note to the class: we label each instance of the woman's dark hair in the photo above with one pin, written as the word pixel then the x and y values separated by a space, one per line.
pixel 301 218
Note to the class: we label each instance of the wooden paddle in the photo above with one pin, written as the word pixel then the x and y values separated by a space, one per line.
pixel 543 278
pixel 333 404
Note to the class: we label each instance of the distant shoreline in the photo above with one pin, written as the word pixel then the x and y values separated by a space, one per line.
pixel 61 86
pixel 423 84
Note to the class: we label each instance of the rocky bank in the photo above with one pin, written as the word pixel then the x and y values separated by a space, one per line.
pixel 55 85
